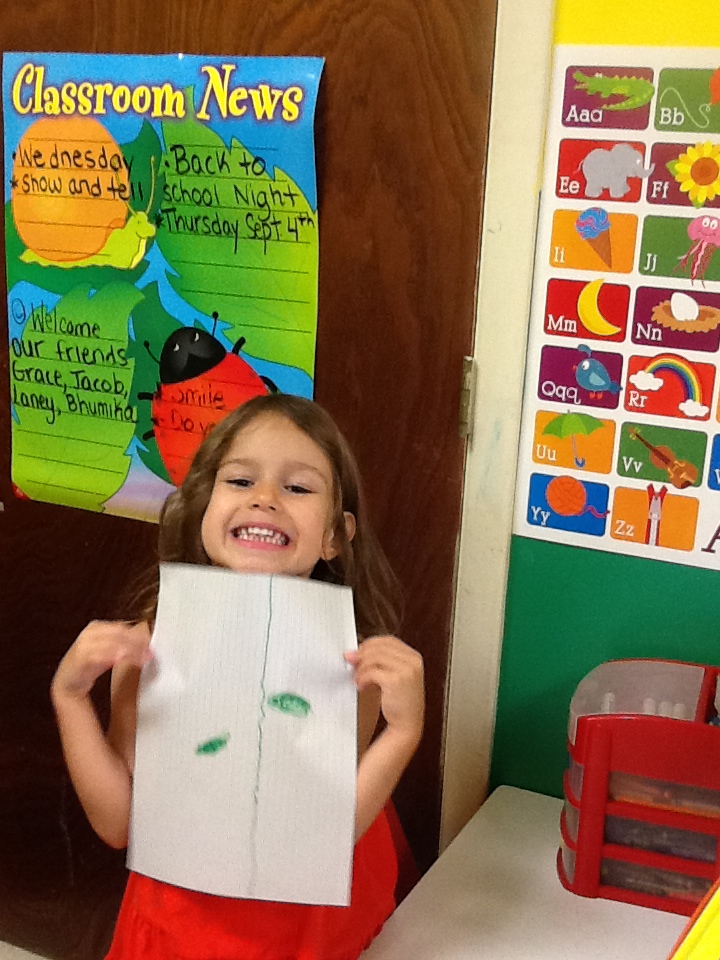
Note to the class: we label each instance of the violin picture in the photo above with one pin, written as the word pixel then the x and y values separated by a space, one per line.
pixel 680 473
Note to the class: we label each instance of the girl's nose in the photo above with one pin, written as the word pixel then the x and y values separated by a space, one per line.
pixel 264 496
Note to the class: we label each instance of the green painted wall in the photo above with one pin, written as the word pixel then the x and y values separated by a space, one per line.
pixel 569 609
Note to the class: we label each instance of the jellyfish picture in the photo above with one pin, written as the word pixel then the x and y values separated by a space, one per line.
pixel 704 231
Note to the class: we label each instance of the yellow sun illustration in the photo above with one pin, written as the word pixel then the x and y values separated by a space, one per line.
pixel 698 172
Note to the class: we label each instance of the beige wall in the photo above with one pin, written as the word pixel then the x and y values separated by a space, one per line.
pixel 517 125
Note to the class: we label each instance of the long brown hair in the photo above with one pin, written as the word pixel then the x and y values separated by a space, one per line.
pixel 360 563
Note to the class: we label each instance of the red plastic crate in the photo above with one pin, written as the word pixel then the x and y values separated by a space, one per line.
pixel 641 821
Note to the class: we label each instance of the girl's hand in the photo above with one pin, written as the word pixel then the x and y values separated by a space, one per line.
pixel 101 646
pixel 397 670
pixel 100 764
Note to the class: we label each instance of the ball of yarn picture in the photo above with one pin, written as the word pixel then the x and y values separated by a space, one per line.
pixel 567 497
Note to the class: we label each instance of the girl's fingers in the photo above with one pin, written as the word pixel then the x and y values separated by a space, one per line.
pixel 405 661
pixel 397 671
pixel 98 648
pixel 387 676
pixel 384 650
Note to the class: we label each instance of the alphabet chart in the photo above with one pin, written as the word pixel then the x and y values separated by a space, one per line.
pixel 620 437
pixel 161 238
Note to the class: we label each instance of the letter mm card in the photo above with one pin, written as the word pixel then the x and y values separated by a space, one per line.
pixel 587 309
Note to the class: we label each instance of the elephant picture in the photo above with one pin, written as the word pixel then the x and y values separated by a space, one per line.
pixel 609 170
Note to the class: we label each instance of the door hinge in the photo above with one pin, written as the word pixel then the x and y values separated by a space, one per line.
pixel 467 396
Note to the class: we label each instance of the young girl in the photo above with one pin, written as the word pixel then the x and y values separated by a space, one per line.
pixel 273 489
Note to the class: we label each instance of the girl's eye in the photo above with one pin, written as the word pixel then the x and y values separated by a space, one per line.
pixel 239 481
pixel 298 488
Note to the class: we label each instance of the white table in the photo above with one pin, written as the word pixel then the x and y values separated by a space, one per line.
pixel 9 952
pixel 494 895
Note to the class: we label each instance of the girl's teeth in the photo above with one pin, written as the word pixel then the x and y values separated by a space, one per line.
pixel 261 534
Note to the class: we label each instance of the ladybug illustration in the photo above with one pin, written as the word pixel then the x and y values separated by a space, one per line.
pixel 200 383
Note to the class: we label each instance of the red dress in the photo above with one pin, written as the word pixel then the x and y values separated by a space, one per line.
pixel 161 922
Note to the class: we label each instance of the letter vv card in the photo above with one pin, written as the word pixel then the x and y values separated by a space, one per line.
pixel 161 238
pixel 620 438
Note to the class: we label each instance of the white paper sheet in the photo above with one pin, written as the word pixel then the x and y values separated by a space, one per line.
pixel 236 793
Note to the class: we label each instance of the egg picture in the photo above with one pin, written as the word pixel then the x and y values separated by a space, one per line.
pixel 69 188
pixel 684 314
pixel 683 307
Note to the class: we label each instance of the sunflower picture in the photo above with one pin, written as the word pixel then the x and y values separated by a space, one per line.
pixel 698 172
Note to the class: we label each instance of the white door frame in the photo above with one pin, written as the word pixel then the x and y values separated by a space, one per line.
pixel 521 80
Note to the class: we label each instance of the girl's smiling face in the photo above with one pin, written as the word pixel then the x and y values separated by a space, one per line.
pixel 271 508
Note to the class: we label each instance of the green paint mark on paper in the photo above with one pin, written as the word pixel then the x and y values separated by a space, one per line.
pixel 213 745
pixel 289 703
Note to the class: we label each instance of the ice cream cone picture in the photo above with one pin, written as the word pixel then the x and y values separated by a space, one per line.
pixel 593 239
pixel 593 225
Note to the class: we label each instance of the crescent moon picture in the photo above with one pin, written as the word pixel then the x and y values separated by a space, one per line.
pixel 589 312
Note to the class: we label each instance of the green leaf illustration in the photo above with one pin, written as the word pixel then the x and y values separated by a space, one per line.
pixel 152 324
pixel 244 244
pixel 143 155
pixel 147 181
pixel 56 279
pixel 73 416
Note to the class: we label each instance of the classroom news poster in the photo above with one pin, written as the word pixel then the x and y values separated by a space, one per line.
pixel 161 232
pixel 620 436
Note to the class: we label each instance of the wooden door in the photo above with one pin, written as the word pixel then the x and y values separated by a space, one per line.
pixel 400 133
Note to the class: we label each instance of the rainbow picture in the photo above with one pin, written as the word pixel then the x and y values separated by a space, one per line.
pixel 679 395
pixel 688 377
